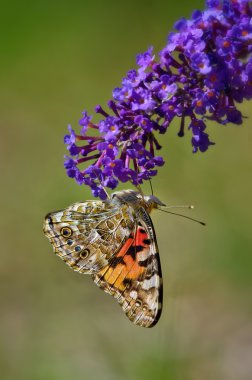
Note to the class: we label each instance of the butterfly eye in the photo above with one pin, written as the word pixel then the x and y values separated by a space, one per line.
pixel 84 254
pixel 66 232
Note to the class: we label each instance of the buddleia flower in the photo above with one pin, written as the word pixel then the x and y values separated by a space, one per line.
pixel 203 73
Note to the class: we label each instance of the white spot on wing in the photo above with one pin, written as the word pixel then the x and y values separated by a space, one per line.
pixel 150 283
pixel 133 294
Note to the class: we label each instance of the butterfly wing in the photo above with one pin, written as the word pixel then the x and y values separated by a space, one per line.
pixel 133 275
pixel 86 235
pixel 118 247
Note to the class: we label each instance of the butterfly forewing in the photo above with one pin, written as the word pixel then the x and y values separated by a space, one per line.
pixel 133 276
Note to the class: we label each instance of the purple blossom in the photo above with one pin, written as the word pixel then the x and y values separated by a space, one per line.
pixel 200 139
pixel 145 59
pixel 142 100
pixel 71 138
pixel 109 128
pixel 204 72
pixel 84 122
pixel 201 62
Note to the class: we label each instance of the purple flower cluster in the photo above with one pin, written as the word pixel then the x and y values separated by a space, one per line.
pixel 202 73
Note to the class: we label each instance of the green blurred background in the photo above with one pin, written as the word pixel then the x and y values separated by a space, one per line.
pixel 59 58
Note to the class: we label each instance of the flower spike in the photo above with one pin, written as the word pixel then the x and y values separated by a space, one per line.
pixel 202 73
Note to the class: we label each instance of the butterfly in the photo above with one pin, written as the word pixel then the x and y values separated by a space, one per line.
pixel 114 241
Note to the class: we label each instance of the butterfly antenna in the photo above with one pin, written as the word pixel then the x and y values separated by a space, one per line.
pixel 179 206
pixel 151 186
pixel 108 196
pixel 138 186
pixel 183 216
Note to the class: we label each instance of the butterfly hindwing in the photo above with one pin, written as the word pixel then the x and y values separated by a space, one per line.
pixel 86 234
pixel 133 275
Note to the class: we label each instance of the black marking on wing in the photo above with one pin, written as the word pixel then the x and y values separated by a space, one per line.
pixel 127 282
pixel 148 261
pixel 147 241
pixel 115 261
pixel 133 250
pixel 50 222
pixel 142 230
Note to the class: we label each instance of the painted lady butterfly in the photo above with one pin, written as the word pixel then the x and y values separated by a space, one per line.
pixel 114 241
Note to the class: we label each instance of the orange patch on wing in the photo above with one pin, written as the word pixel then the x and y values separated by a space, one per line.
pixel 130 269
pixel 119 284
pixel 136 271
pixel 125 247
pixel 115 275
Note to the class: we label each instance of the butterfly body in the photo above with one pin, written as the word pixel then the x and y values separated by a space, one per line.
pixel 114 241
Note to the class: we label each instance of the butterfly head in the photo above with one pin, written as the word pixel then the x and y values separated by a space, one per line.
pixel 152 202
